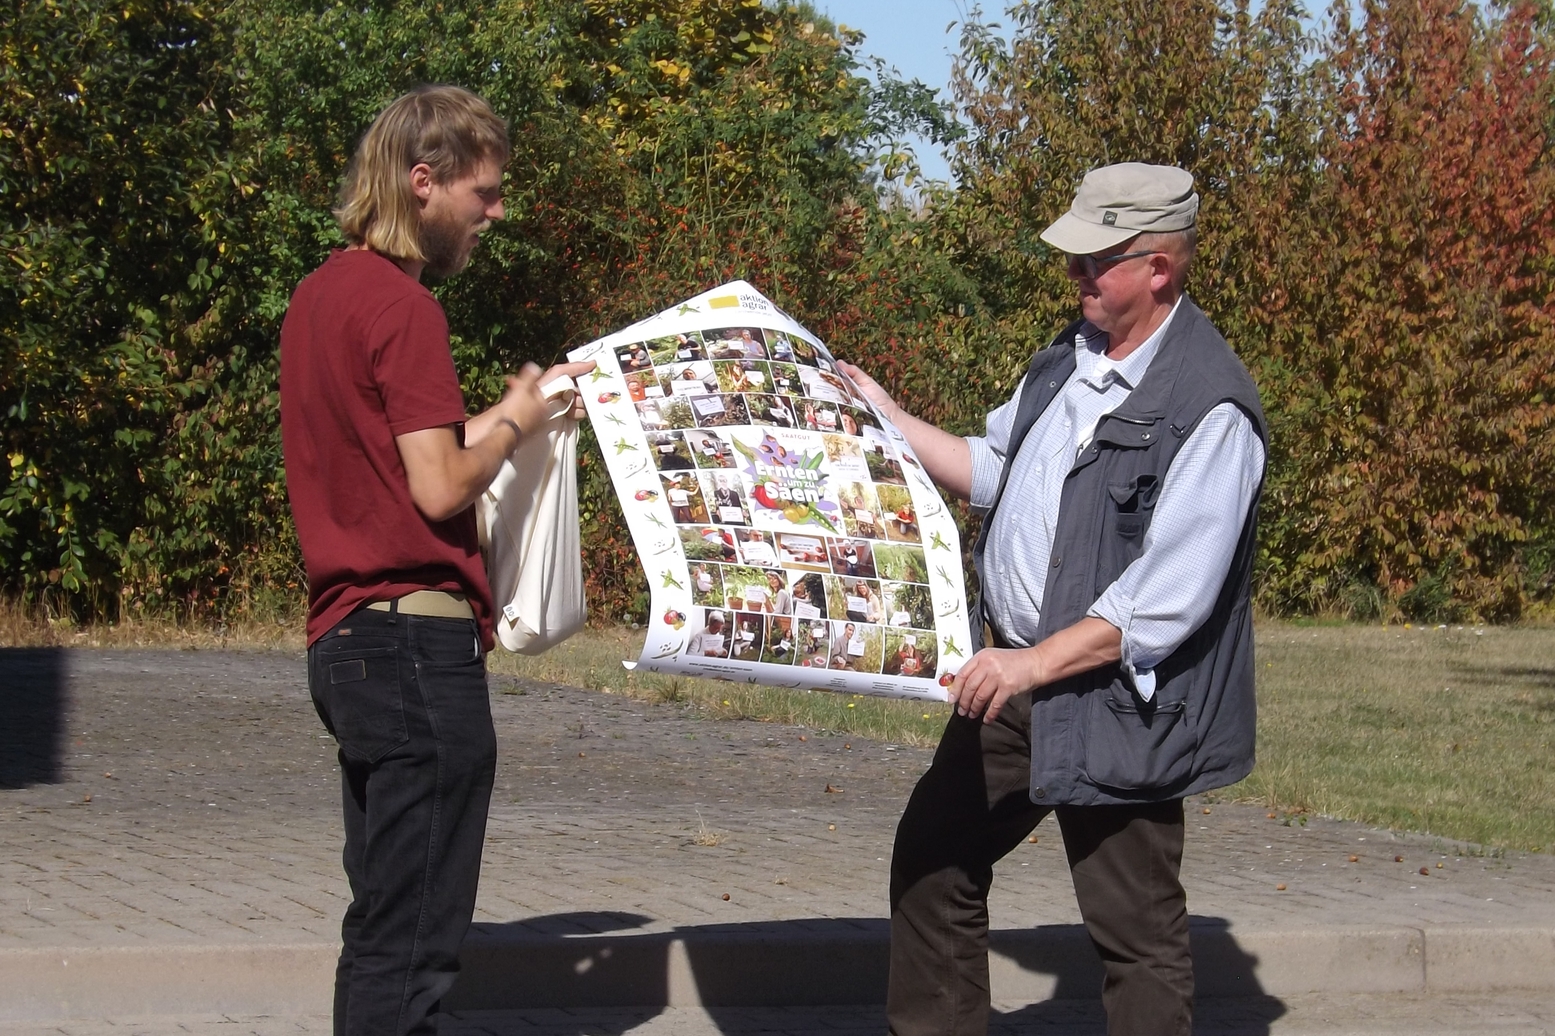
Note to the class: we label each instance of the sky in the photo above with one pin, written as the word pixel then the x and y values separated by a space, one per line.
pixel 909 34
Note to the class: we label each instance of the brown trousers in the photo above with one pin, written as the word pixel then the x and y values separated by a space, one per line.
pixel 969 810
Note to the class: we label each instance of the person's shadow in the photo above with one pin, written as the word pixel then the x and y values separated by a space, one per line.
pixel 32 716
pixel 603 960
pixel 1229 1000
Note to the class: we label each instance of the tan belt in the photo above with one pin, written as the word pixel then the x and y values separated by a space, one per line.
pixel 437 603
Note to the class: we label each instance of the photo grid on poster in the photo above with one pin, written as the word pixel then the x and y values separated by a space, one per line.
pixel 789 500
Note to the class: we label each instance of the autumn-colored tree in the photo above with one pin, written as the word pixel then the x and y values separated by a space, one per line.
pixel 1418 445
pixel 1202 84
pixel 1374 241
pixel 1075 84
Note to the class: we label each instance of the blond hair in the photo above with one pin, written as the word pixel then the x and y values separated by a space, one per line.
pixel 449 129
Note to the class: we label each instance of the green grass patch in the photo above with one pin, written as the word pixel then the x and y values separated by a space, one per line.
pixel 1446 731
pixel 1442 730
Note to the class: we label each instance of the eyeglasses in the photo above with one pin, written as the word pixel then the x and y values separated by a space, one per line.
pixel 1091 266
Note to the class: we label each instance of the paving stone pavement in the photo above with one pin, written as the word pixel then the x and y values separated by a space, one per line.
pixel 198 805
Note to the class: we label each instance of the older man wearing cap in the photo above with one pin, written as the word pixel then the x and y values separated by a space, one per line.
pixel 1119 491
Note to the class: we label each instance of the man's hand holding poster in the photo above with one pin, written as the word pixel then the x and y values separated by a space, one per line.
pixel 788 533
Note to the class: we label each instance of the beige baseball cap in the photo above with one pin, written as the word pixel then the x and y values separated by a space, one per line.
pixel 1116 202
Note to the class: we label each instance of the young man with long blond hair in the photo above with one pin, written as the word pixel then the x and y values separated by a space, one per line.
pixel 382 469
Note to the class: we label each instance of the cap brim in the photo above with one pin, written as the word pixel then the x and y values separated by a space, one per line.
pixel 1069 233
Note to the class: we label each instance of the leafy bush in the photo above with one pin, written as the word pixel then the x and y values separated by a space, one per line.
pixel 1376 241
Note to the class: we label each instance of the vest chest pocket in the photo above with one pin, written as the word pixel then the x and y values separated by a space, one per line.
pixel 1133 501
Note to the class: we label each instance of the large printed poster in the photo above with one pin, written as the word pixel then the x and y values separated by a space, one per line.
pixel 789 535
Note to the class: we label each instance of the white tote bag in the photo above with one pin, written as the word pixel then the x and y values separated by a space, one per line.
pixel 528 519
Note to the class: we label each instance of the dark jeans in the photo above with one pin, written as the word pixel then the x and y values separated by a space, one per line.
pixel 405 697
pixel 969 810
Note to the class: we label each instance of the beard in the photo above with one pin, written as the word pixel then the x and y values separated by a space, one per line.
pixel 445 244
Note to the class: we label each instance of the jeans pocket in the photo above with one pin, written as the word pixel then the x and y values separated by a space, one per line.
pixel 360 696
pixel 444 642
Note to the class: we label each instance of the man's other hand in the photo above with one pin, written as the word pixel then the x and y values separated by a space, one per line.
pixel 993 677
pixel 444 477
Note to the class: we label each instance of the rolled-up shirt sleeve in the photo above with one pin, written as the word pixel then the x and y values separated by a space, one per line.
pixel 1170 589
pixel 988 452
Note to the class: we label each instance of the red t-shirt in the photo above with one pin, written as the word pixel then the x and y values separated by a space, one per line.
pixel 365 357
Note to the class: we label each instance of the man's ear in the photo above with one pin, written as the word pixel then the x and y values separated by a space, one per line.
pixel 421 181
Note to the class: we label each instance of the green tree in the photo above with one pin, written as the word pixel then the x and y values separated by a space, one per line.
pixel 168 179
pixel 118 187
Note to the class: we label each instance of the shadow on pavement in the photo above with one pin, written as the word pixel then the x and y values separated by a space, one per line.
pixel 32 716
pixel 605 960
pixel 562 960
pixel 1224 975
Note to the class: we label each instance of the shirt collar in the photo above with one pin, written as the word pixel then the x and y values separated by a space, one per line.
pixel 1090 347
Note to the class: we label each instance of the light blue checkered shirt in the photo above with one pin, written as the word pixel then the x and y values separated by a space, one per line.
pixel 1168 591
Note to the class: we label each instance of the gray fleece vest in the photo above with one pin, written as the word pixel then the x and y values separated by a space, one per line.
pixel 1094 740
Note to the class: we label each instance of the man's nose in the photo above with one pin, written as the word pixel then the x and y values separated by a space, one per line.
pixel 495 210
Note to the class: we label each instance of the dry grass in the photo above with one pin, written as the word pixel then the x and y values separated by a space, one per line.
pixel 1445 730
pixel 706 836
pixel 24 627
